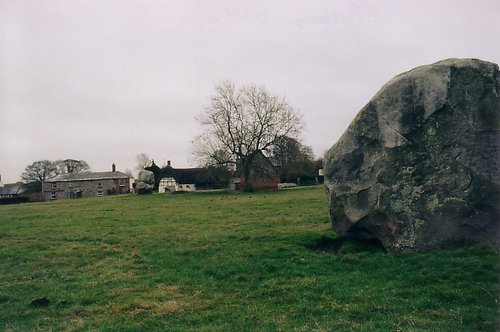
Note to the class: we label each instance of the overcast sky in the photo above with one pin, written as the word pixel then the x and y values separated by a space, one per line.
pixel 105 80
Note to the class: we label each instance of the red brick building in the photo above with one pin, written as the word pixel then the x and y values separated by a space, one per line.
pixel 264 174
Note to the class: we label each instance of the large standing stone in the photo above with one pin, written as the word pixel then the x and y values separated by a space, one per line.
pixel 145 183
pixel 418 168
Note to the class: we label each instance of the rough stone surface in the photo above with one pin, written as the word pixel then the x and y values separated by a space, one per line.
pixel 145 182
pixel 418 168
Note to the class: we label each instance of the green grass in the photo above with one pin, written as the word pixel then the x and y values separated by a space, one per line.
pixel 223 261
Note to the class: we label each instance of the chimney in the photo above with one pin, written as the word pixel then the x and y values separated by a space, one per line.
pixel 1 183
pixel 113 167
pixel 68 168
pixel 169 164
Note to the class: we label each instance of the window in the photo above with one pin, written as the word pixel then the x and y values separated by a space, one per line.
pixel 99 193
pixel 121 182
pixel 53 196
pixel 99 184
pixel 54 185
pixel 70 185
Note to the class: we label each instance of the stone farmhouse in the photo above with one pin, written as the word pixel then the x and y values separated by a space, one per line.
pixel 87 184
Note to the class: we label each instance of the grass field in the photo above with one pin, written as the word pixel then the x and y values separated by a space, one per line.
pixel 225 261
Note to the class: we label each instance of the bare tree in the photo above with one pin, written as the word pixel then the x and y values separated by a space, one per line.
pixel 71 166
pixel 143 161
pixel 295 158
pixel 290 150
pixel 39 171
pixel 241 124
pixel 129 173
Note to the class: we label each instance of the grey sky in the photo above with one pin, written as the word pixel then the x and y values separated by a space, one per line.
pixel 105 80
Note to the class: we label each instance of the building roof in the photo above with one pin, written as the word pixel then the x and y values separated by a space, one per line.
pixel 87 176
pixel 12 189
pixel 181 175
pixel 167 172
pixel 187 175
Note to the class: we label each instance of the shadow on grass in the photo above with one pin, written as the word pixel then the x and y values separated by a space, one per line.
pixel 340 246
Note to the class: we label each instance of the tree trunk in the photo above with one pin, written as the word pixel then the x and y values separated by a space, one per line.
pixel 247 181
pixel 246 168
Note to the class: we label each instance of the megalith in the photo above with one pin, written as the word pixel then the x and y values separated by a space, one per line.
pixel 418 167
pixel 145 183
